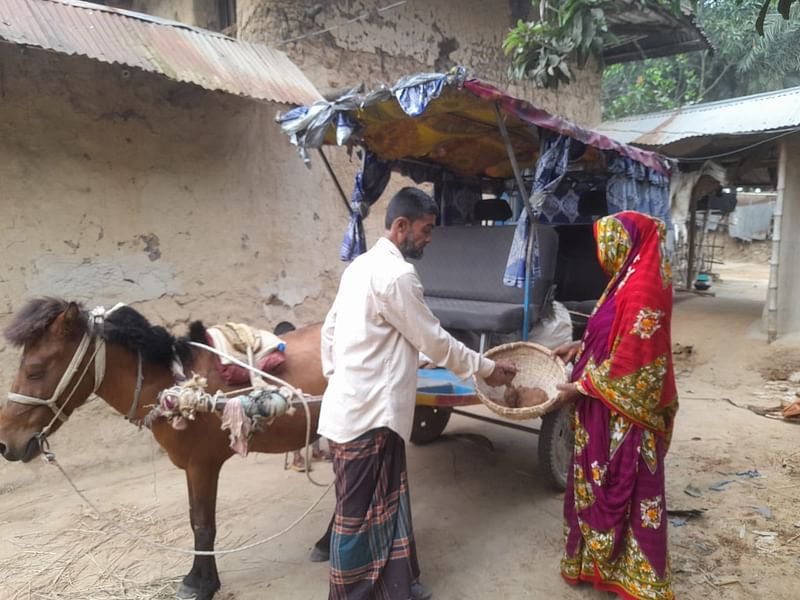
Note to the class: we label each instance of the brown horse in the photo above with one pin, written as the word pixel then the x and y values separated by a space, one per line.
pixel 139 356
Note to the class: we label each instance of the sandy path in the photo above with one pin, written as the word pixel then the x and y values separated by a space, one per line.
pixel 486 526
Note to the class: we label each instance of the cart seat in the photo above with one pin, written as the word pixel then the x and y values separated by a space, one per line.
pixel 462 273
pixel 473 315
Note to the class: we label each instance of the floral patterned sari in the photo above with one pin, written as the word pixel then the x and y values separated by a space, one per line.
pixel 615 507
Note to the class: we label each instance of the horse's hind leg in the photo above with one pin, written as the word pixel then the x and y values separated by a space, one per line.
pixel 322 549
pixel 202 582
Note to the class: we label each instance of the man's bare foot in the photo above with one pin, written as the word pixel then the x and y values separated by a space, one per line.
pixel 298 463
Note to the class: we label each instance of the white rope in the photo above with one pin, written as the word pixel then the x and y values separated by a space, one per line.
pixel 66 377
pixel 51 459
pixel 51 403
pixel 95 320
pixel 99 345
pixel 244 365
pixel 297 392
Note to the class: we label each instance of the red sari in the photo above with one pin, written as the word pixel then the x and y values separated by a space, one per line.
pixel 615 507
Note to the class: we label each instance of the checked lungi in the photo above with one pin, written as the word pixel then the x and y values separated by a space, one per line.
pixel 373 555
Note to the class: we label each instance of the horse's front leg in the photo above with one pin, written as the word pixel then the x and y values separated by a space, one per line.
pixel 202 582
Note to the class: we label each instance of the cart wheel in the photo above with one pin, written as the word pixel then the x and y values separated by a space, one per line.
pixel 556 440
pixel 429 423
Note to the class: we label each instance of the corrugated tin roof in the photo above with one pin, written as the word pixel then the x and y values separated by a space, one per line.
pixel 174 50
pixel 770 111
pixel 651 31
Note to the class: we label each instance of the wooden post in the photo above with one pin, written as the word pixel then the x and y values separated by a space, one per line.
pixel 692 237
pixel 701 253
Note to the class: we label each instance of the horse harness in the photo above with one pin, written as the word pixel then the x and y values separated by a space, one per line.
pixel 96 318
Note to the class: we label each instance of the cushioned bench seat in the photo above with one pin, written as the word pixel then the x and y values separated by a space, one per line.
pixel 473 315
pixel 462 272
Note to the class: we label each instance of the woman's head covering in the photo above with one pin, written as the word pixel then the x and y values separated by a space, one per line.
pixel 626 357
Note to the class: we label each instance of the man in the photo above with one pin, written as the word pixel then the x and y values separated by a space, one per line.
pixel 371 341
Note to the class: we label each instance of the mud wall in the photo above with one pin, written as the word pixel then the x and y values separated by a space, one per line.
pixel 384 46
pixel 121 186
pixel 412 37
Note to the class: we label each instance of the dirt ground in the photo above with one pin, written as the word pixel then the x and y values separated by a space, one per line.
pixel 732 250
pixel 487 526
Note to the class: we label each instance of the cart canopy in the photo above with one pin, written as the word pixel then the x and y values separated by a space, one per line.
pixel 448 120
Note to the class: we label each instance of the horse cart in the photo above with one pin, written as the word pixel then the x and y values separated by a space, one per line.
pixel 517 189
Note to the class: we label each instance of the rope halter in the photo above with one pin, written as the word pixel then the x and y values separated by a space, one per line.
pixel 95 323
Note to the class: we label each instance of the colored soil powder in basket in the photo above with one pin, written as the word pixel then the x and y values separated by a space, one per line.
pixel 523 397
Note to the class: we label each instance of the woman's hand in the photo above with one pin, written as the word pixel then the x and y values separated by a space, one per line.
pixel 567 394
pixel 567 352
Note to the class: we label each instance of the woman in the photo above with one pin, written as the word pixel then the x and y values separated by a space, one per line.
pixel 625 403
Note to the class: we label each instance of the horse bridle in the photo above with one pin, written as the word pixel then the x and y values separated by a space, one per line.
pixel 96 318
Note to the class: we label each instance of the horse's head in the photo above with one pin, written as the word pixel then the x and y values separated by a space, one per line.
pixel 64 362
pixel 53 377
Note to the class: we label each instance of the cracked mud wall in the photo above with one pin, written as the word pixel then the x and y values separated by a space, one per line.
pixel 120 186
pixel 413 37
pixel 420 35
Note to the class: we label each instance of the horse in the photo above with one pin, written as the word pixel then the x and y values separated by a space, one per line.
pixel 133 361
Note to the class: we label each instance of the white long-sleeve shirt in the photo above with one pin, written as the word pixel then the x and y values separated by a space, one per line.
pixel 371 341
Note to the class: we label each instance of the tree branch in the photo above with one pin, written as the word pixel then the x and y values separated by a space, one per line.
pixel 703 92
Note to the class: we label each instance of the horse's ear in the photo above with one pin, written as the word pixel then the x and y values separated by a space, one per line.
pixel 70 320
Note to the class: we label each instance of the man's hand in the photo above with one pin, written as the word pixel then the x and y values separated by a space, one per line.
pixel 567 352
pixel 503 374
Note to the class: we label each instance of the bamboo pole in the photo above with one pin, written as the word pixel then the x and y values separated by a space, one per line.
pixel 774 261
pixel 528 211
pixel 335 180
pixel 514 164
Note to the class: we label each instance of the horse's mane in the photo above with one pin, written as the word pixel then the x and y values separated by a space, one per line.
pixel 32 320
pixel 127 327
pixel 124 326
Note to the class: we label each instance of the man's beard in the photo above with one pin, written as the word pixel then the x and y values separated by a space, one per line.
pixel 408 249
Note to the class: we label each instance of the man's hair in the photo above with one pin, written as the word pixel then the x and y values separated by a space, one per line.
pixel 410 203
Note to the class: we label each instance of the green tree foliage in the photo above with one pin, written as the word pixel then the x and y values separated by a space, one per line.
pixel 742 62
pixel 565 32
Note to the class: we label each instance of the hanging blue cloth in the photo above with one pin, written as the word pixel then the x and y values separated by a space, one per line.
pixel 369 185
pixel 550 170
pixel 514 275
pixel 561 209
pixel 633 186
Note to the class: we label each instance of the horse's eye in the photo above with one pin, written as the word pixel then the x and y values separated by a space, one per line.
pixel 35 374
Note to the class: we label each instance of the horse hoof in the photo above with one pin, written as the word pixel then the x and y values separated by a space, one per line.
pixel 186 593
pixel 318 555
